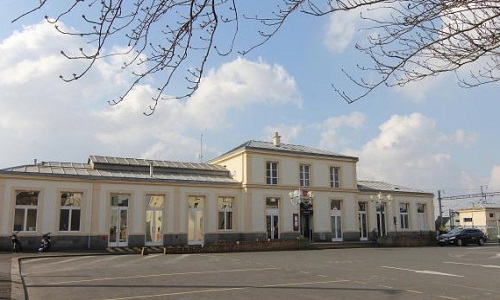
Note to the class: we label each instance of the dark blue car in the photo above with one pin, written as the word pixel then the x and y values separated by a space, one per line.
pixel 462 237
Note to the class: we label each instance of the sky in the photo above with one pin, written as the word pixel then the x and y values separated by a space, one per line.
pixel 430 135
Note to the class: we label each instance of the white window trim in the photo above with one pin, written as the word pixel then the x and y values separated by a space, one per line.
pixel 305 175
pixel 404 217
pixel 225 212
pixel 334 177
pixel 271 180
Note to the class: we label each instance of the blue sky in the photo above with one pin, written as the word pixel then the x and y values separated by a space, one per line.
pixel 431 135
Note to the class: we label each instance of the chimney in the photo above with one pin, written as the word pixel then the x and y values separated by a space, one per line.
pixel 276 139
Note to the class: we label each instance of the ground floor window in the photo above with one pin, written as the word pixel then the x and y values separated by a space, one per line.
pixel 69 219
pixel 25 214
pixel 403 214
pixel 225 213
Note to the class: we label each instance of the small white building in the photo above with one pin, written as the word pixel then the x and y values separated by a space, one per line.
pixel 258 190
pixel 484 217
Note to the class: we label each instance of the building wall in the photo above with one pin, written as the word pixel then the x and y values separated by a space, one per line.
pixel 480 217
pixel 249 211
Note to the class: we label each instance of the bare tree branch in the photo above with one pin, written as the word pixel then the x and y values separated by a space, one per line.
pixel 406 41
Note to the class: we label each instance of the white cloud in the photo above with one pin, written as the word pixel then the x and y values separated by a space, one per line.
pixel 463 137
pixel 288 133
pixel 43 117
pixel 408 151
pixel 236 85
pixel 330 139
pixel 340 30
pixel 418 91
pixel 494 183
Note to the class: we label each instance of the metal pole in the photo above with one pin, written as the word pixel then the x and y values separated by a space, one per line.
pixel 440 210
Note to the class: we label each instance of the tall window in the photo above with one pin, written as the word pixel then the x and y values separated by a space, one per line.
pixel 25 211
pixel 154 219
pixel 69 219
pixel 403 214
pixel 422 218
pixel 225 207
pixel 334 177
pixel 304 175
pixel 272 173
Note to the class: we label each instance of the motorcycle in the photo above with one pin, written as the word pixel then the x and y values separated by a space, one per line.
pixel 46 243
pixel 16 243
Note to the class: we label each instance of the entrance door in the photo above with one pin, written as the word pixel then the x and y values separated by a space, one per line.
pixel 336 220
pixel 154 220
pixel 195 220
pixel 118 221
pixel 363 224
pixel 272 219
pixel 381 222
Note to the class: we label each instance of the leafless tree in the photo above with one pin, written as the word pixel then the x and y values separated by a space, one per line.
pixel 407 40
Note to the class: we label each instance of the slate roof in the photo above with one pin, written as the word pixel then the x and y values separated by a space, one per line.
pixel 129 169
pixel 380 186
pixel 284 148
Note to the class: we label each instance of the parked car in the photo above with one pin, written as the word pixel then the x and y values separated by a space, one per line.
pixel 462 237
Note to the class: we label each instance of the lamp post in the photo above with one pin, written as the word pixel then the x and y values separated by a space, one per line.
pixel 381 202
pixel 300 198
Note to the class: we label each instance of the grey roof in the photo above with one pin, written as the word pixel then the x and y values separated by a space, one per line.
pixel 376 186
pixel 284 148
pixel 116 168
pixel 111 160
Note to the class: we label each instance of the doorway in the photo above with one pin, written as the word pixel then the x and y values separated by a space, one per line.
pixel 118 221
pixel 336 220
pixel 362 220
pixel 272 218
pixel 154 220
pixel 195 220
pixel 381 220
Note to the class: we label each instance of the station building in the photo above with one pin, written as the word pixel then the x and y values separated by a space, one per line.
pixel 257 191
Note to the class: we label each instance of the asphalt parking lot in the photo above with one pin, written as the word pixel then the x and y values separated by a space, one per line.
pixel 365 273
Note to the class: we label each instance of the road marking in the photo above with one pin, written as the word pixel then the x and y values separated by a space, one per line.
pixel 386 286
pixel 228 289
pixel 423 271
pixel 159 275
pixel 474 265
pixel 70 260
pixel 446 297
pixel 152 256
pixel 413 291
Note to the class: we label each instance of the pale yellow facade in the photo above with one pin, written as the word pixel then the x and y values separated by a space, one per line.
pixel 485 217
pixel 230 198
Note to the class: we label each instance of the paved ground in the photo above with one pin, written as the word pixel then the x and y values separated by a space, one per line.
pixel 5 283
pixel 370 273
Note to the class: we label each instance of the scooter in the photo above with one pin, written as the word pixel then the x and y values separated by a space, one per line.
pixel 45 244
pixel 16 243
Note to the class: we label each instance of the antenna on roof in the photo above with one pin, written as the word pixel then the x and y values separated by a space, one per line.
pixel 201 149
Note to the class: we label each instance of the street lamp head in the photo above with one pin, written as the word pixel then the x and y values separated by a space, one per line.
pixel 381 198
pixel 301 196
